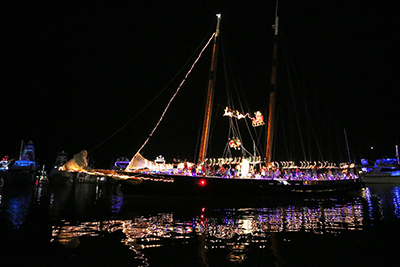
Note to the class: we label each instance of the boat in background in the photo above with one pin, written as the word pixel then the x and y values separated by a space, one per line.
pixel 382 171
pixel 57 175
pixel 120 164
pixel 22 171
pixel 26 161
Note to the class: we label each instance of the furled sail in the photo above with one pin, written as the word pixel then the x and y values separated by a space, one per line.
pixel 138 162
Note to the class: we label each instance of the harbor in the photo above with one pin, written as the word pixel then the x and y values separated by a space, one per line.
pixel 209 134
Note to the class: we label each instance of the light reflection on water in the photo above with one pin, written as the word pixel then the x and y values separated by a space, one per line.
pixel 234 232
pixel 396 201
pixel 15 206
pixel 383 202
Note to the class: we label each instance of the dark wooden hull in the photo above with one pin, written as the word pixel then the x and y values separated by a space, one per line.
pixel 214 186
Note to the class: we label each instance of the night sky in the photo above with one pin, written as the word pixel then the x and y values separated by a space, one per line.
pixel 74 74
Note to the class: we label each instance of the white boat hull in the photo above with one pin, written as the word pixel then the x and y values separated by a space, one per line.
pixel 381 179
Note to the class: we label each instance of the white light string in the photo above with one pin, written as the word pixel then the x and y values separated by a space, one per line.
pixel 177 90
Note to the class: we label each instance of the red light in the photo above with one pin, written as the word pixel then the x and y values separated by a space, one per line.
pixel 202 182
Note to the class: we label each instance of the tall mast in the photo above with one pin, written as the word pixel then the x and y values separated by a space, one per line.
pixel 271 114
pixel 210 96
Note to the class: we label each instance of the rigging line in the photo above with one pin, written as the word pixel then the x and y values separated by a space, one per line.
pixel 240 103
pixel 230 100
pixel 314 134
pixel 285 140
pixel 227 151
pixel 247 126
pixel 213 125
pixel 223 53
pixel 293 98
pixel 170 101
pixel 275 134
pixel 198 141
pixel 245 150
pixel 249 130
pixel 234 130
pixel 339 144
pixel 313 131
pixel 228 67
pixel 258 139
pixel 143 109
pixel 258 135
pixel 226 148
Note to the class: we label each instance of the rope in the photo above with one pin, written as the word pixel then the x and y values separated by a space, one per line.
pixel 232 87
pixel 172 98
pixel 137 114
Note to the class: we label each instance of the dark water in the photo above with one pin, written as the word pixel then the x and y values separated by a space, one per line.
pixel 95 225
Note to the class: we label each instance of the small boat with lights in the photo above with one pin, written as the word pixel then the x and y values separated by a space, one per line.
pixel 382 171
pixel 22 171
pixel 247 175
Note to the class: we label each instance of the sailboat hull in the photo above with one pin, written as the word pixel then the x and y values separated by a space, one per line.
pixel 60 177
pixel 176 185
pixel 18 178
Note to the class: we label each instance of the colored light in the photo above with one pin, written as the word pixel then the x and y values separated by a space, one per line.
pixel 258 120
pixel 202 182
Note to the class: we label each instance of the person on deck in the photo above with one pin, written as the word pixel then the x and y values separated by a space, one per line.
pixel 193 170
pixel 238 171
pixel 207 170
pixel 203 169
pixel 212 170
pixel 228 172
pixel 222 170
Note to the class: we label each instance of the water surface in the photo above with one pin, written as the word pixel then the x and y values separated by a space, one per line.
pixel 96 225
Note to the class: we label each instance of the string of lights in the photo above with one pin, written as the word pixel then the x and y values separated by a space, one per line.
pixel 257 120
pixel 176 92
